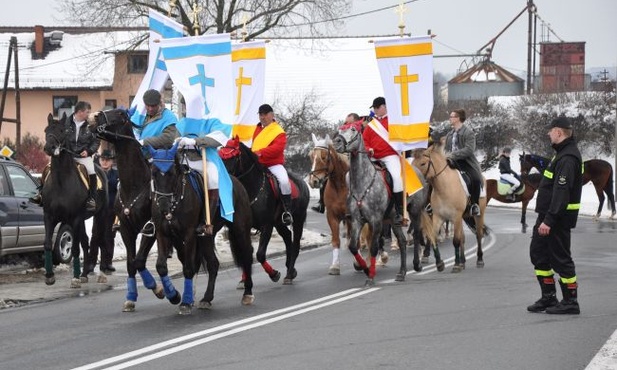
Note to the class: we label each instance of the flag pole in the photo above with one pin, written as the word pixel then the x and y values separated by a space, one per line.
pixel 401 10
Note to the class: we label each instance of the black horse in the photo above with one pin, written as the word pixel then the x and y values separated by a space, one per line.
pixel 64 198
pixel 133 204
pixel 598 171
pixel 177 210
pixel 266 205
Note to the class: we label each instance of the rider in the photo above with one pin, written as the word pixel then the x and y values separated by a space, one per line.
pixel 461 145
pixel 508 174
pixel 82 143
pixel 319 207
pixel 381 150
pixel 269 140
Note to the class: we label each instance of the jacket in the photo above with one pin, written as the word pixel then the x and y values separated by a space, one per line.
pixel 273 154
pixel 466 147
pixel 559 193
pixel 372 140
pixel 86 140
pixel 504 166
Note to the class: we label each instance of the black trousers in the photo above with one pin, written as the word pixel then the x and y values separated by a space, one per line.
pixel 103 238
pixel 552 251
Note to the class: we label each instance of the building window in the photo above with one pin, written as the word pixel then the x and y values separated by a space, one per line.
pixel 131 98
pixel 111 104
pixel 138 63
pixel 63 104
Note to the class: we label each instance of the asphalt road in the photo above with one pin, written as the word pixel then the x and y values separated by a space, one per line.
pixel 433 320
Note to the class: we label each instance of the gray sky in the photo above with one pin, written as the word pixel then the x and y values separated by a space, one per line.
pixel 461 26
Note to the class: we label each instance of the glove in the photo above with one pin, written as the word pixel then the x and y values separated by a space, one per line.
pixel 131 111
pixel 141 142
pixel 450 162
pixel 209 142
pixel 186 141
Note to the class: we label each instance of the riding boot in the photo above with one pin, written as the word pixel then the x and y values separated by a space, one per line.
pixel 474 210
pixel 319 207
pixel 569 303
pixel 549 299
pixel 91 202
pixel 286 217
pixel 37 198
pixel 397 198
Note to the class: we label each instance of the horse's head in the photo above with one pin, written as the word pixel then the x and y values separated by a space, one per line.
pixel 530 161
pixel 321 161
pixel 111 123
pixel 348 139
pixel 165 172
pixel 431 162
pixel 55 135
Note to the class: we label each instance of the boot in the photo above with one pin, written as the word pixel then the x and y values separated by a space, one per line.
pixel 319 207
pixel 286 216
pixel 569 303
pixel 549 299
pixel 36 198
pixel 91 201
pixel 397 198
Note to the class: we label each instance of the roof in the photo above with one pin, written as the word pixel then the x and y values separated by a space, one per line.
pixel 79 61
pixel 485 71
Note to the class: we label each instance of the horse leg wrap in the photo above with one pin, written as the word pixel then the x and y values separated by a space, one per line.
pixel 49 265
pixel 360 261
pixel 168 287
pixel 76 268
pixel 371 271
pixel 131 289
pixel 187 295
pixel 269 270
pixel 147 279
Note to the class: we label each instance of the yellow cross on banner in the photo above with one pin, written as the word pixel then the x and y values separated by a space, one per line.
pixel 404 79
pixel 241 80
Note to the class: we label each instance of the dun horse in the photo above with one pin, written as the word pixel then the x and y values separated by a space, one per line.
pixel 64 197
pixel 598 171
pixel 369 202
pixel 449 202
pixel 132 205
pixel 526 192
pixel 267 207
pixel 177 210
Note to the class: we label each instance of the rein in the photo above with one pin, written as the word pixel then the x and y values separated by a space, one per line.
pixel 326 169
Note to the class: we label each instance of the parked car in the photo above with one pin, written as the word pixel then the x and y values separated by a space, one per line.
pixel 22 229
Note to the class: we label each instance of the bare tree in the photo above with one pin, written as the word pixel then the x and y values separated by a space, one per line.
pixel 263 18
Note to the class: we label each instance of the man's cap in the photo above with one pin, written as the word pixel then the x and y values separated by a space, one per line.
pixel 265 108
pixel 107 154
pixel 152 97
pixel 377 102
pixel 562 122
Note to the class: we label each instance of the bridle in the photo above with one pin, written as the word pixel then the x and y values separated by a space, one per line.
pixel 102 132
pixel 325 169
pixel 432 164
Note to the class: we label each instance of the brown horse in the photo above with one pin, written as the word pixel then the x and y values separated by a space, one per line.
pixel 450 202
pixel 331 167
pixel 598 171
pixel 495 189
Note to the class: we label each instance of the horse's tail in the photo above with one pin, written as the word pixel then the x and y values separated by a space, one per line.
pixel 426 224
pixel 608 189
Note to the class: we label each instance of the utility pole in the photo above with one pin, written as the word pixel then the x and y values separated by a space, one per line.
pixel 531 9
pixel 12 54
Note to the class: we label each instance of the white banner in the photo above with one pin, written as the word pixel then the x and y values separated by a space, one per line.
pixel 406 68
pixel 160 27
pixel 249 69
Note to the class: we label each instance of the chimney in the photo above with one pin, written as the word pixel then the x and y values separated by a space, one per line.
pixel 39 40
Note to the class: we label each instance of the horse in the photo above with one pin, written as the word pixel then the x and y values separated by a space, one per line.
pixel 598 171
pixel 496 189
pixel 369 202
pixel 449 202
pixel 133 205
pixel 177 211
pixel 64 196
pixel 266 205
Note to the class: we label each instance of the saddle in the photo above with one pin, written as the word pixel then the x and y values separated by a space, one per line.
pixel 385 175
pixel 503 187
pixel 274 185
pixel 466 182
pixel 83 175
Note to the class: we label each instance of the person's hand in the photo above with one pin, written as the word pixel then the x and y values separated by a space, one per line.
pixel 544 229
pixel 450 162
pixel 186 141
pixel 83 154
pixel 371 152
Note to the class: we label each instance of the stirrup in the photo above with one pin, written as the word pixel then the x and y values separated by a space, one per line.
pixel 148 229
pixel 474 210
pixel 287 218
pixel 91 205
pixel 36 199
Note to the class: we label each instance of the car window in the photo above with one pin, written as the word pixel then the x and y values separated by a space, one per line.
pixel 3 185
pixel 23 185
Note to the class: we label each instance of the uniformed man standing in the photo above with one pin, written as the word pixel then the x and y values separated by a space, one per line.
pixel 557 205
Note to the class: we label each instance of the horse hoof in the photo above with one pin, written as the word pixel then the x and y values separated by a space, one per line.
pixel 158 292
pixel 369 283
pixel 335 269
pixel 384 258
pixel 101 279
pixel 83 279
pixel 50 280
pixel 456 269
pixel 480 264
pixel 240 285
pixel 424 260
pixel 75 283
pixel 276 275
pixel 417 267
pixel 400 277
pixel 357 267
pixel 129 306
pixel 204 305
pixel 247 299
pixel 175 299
pixel 440 266
pixel 288 281
pixel 185 309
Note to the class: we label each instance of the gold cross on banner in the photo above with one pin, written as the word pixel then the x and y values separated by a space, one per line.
pixel 241 80
pixel 404 80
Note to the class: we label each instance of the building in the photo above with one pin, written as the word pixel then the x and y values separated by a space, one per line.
pixel 562 67
pixel 484 80
pixel 68 64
